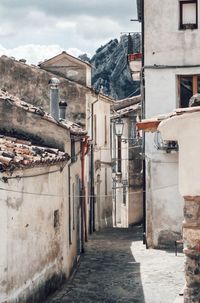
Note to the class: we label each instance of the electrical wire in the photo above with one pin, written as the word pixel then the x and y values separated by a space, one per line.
pixel 81 196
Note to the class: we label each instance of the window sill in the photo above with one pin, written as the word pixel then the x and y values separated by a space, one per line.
pixel 188 26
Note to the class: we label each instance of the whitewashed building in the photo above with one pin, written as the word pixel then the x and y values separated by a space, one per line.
pixel 127 163
pixel 171 75
pixel 41 221
pixel 99 177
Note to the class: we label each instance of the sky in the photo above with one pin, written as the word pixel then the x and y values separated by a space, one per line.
pixel 39 29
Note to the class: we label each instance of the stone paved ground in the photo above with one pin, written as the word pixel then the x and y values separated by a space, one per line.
pixel 117 268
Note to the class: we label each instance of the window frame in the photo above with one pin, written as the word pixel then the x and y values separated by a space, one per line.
pixel 195 79
pixel 183 26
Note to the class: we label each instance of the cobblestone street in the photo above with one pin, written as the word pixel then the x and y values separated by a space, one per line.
pixel 117 268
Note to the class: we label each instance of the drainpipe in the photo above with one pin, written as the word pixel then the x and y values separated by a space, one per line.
pixel 92 206
pixel 69 201
pixel 143 137
pixel 54 98
pixel 84 151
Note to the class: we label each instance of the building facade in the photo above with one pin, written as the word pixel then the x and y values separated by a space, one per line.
pixel 42 222
pixel 171 74
pixel 127 163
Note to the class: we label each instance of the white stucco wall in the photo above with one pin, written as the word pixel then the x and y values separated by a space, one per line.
pixel 130 212
pixel 33 250
pixel 164 203
pixel 102 152
pixel 165 44
pixel 189 149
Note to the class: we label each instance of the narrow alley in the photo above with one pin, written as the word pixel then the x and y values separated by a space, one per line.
pixel 117 268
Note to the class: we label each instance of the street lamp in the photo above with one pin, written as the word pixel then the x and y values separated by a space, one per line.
pixel 119 125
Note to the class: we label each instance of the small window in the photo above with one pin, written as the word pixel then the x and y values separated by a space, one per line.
pixel 189 85
pixel 95 129
pixel 73 150
pixel 56 219
pixel 124 194
pixel 188 14
pixel 105 130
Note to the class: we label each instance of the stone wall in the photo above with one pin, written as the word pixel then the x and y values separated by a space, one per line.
pixel 31 84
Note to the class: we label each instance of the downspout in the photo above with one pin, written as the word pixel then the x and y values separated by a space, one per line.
pixel 69 201
pixel 143 137
pixel 84 151
pixel 92 206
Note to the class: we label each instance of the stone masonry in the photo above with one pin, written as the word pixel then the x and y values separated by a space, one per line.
pixel 191 232
pixel 117 268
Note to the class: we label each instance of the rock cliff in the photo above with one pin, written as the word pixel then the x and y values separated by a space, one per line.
pixel 110 71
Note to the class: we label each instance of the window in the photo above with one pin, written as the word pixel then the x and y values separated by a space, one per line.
pixel 106 185
pixel 95 129
pixel 56 223
pixel 73 150
pixel 188 85
pixel 124 194
pixel 188 14
pixel 105 130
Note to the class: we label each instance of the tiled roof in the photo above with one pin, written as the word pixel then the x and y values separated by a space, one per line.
pixel 120 104
pixel 125 111
pixel 72 127
pixel 19 154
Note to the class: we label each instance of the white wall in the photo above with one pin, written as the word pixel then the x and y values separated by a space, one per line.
pixel 35 256
pixel 165 44
pixel 102 152
pixel 162 168
pixel 189 149
pixel 37 252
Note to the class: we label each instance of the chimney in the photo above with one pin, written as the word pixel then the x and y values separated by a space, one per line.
pixel 62 109
pixel 54 98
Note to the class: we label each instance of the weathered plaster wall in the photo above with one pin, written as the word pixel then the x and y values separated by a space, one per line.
pixel 189 150
pixel 174 46
pixel 74 216
pixel 36 259
pixel 71 70
pixel 189 146
pixel 129 204
pixel 31 85
pixel 160 101
pixel 44 132
pixel 102 162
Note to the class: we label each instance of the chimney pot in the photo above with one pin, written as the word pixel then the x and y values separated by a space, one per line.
pixel 54 98
pixel 62 109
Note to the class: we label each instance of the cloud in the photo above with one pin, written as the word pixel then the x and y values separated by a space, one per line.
pixel 36 53
pixel 115 9
pixel 28 26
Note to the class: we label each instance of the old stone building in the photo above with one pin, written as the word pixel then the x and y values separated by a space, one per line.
pixel 41 210
pixel 31 83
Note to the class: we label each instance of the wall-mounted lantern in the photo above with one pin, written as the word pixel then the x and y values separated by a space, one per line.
pixel 119 126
